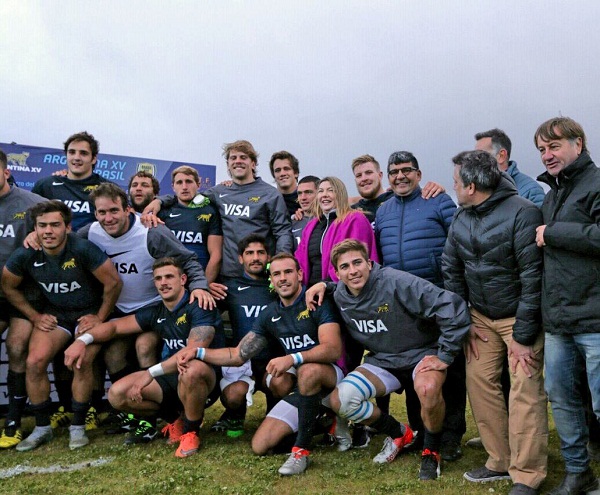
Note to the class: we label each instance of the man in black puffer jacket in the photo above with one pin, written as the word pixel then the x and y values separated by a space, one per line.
pixel 491 260
pixel 570 238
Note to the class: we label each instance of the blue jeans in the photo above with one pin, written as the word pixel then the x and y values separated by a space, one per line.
pixel 566 357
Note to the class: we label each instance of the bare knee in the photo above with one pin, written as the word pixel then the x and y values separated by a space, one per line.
pixel 429 392
pixel 146 346
pixel 310 376
pixel 234 395
pixel 37 363
pixel 115 356
pixel 116 396
pixel 16 348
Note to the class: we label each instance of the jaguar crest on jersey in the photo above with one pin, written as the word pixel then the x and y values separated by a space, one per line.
pixel 69 264
pixel 303 315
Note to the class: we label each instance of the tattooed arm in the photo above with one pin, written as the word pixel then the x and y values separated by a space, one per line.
pixel 201 336
pixel 248 347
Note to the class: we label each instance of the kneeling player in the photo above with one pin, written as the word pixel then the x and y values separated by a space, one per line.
pixel 161 388
pixel 412 330
pixel 312 343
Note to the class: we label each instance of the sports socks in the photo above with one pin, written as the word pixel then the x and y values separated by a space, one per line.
pixel 389 425
pixel 308 410
pixel 17 396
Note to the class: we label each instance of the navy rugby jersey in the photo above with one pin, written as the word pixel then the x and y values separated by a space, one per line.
pixel 74 193
pixel 174 326
pixel 192 226
pixel 246 299
pixel 294 327
pixel 66 280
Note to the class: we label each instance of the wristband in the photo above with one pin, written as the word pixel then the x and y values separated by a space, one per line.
pixel 86 338
pixel 200 352
pixel 156 370
pixel 298 359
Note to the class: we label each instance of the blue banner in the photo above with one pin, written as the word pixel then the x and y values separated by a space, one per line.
pixel 30 163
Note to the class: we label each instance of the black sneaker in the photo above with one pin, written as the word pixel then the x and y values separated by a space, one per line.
pixel 451 451
pixel 127 423
pixel 361 436
pixel 430 465
pixel 144 433
pixel 483 475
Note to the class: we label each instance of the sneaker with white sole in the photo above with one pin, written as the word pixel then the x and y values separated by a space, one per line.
pixel 430 465
pixel 393 446
pixel 144 433
pixel 342 434
pixel 39 436
pixel 123 423
pixel 77 437
pixel 483 475
pixel 296 463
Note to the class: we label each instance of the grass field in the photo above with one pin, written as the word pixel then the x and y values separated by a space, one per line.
pixel 227 466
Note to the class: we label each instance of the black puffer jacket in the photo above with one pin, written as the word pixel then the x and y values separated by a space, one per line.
pixel 571 283
pixel 491 259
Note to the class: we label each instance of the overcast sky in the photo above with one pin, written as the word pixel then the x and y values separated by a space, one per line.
pixel 325 80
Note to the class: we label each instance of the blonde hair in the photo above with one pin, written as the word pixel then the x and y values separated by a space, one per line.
pixel 342 206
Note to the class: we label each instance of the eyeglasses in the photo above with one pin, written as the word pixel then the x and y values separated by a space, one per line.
pixel 405 171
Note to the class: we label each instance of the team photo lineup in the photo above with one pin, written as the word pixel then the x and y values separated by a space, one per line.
pixel 327 304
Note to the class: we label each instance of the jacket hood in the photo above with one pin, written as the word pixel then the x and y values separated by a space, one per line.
pixel 505 189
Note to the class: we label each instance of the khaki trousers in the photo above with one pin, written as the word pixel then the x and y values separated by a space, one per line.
pixel 516 441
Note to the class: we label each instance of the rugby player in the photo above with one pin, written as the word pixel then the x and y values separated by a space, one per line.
pixel 160 388
pixel 195 222
pixel 311 341
pixel 14 203
pixel 412 330
pixel 80 286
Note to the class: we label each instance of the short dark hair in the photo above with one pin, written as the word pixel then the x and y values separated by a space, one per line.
pixel 50 207
pixel 284 256
pixel 284 155
pixel 249 239
pixel 109 190
pixel 146 175
pixel 88 138
pixel 345 247
pixel 309 178
pixel 402 157
pixel 478 168
pixel 499 138
pixel 558 128
pixel 3 160
pixel 167 261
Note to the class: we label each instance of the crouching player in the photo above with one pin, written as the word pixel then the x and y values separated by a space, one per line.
pixel 412 330
pixel 311 341
pixel 161 388
pixel 79 287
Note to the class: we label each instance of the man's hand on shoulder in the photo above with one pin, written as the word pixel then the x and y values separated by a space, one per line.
pixel 431 190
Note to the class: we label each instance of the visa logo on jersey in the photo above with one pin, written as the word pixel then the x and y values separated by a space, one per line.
pixel 237 210
pixel 297 342
pixel 60 287
pixel 77 206
pixel 370 326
